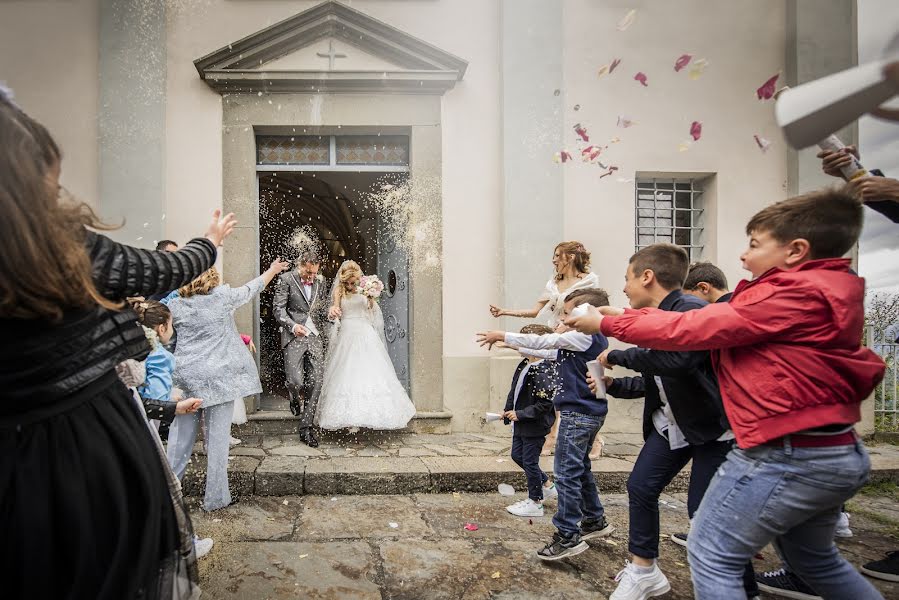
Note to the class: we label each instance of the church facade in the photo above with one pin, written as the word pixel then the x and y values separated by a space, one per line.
pixel 512 124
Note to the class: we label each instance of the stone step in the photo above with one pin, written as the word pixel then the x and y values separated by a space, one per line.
pixel 283 422
pixel 284 475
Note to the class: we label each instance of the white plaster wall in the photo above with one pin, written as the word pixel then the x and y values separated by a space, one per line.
pixel 743 40
pixel 49 57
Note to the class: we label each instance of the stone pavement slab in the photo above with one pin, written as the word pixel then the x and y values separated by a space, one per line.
pixel 361 516
pixel 265 518
pixel 375 475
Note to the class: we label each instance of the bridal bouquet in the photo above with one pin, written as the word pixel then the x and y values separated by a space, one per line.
pixel 371 287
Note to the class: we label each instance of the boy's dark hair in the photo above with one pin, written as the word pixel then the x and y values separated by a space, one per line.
pixel 536 328
pixel 831 221
pixel 707 272
pixel 591 296
pixel 163 244
pixel 669 264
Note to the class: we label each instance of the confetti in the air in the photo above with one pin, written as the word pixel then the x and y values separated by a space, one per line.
pixel 683 146
pixel 590 153
pixel 577 107
pixel 696 130
pixel 615 62
pixel 641 77
pixel 562 156
pixel 762 143
pixel 682 61
pixel 582 132
pixel 624 123
pixel 698 68
pixel 610 170
pixel 627 20
pixel 766 91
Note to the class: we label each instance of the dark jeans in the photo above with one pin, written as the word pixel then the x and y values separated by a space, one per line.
pixel 526 454
pixel 578 497
pixel 656 466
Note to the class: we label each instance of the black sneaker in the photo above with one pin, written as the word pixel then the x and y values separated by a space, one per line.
pixel 680 539
pixel 562 547
pixel 886 569
pixel 595 529
pixel 786 585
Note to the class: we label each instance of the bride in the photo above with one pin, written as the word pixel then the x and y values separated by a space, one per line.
pixel 360 387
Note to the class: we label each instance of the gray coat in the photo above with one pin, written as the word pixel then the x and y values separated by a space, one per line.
pixel 291 308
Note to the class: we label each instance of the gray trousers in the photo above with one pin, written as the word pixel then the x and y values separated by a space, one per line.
pixel 304 368
pixel 182 436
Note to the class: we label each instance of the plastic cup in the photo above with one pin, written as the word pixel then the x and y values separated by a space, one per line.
pixel 490 417
pixel 595 369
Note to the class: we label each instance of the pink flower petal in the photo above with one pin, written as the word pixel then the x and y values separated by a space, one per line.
pixel 590 153
pixel 682 62
pixel 696 130
pixel 582 132
pixel 641 77
pixel 766 92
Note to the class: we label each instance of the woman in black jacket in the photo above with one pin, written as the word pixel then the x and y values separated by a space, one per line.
pixel 84 505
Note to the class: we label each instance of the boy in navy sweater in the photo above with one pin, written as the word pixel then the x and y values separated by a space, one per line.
pixel 529 408
pixel 581 414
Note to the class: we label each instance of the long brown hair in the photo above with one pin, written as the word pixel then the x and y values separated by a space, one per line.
pixel 44 266
pixel 579 257
pixel 202 285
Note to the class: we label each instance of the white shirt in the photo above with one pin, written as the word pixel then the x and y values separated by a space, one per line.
pixel 548 346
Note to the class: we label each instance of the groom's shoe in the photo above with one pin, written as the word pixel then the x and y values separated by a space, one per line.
pixel 308 437
pixel 295 407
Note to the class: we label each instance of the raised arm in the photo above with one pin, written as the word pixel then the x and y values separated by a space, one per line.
pixel 524 312
pixel 120 271
pixel 240 296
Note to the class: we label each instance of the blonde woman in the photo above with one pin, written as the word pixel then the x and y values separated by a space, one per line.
pixel 212 363
pixel 361 388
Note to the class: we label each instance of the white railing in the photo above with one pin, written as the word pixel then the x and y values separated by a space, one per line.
pixel 886 407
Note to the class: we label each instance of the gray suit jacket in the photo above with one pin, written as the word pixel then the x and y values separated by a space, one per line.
pixel 291 307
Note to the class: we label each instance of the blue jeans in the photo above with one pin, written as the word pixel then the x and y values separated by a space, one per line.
pixel 526 454
pixel 578 497
pixel 788 496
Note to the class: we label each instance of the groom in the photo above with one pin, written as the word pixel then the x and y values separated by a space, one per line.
pixel 301 309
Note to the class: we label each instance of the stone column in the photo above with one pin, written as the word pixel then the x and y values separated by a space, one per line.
pixel 132 118
pixel 532 99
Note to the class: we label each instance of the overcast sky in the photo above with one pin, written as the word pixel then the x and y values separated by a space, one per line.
pixel 878 22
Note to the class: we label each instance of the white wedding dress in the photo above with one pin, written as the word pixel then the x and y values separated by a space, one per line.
pixel 361 388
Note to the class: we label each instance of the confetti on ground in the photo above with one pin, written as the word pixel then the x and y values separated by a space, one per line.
pixel 216 520
pixel 471 527
pixel 393 525
pixel 697 68
pixel 641 77
pixel 680 564
pixel 500 460
pixel 627 20
pixel 582 132
pixel 762 143
pixel 457 496
pixel 303 555
pixel 682 61
pixel 495 575
pixel 505 489
pixel 612 542
pixel 286 502
pixel 530 521
pixel 766 92
pixel 696 130
pixel 333 499
pixel 624 123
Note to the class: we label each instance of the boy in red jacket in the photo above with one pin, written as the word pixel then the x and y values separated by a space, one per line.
pixel 792 371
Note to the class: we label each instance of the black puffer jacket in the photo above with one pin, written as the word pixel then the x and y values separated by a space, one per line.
pixel 42 361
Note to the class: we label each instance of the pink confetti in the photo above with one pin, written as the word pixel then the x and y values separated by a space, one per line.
pixel 471 527
pixel 696 130
pixel 682 62
pixel 562 156
pixel 766 92
pixel 590 153
pixel 762 143
pixel 582 131
pixel 614 64
pixel 641 77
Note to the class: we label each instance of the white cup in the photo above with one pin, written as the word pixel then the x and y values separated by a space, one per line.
pixel 596 370
pixel 490 417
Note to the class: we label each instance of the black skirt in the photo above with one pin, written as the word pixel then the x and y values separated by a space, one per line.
pixel 85 509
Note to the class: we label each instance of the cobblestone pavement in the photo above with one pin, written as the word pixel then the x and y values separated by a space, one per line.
pixel 415 547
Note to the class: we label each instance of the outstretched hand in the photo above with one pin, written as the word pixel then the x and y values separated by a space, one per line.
pixel 220 227
pixel 496 311
pixel 489 338
pixel 279 266
pixel 591 322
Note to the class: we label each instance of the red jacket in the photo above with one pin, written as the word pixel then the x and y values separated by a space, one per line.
pixel 786 348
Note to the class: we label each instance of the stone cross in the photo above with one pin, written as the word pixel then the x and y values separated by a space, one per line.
pixel 331 55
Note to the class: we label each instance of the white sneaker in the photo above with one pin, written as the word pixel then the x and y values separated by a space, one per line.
pixel 202 547
pixel 234 441
pixel 550 493
pixel 526 508
pixel 633 585
pixel 843 530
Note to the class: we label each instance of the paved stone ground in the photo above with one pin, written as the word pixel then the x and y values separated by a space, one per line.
pixel 373 462
pixel 415 547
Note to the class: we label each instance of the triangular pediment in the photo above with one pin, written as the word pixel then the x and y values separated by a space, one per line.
pixel 331 48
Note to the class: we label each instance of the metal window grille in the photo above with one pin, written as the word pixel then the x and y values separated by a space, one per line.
pixel 669 210
pixel 886 407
